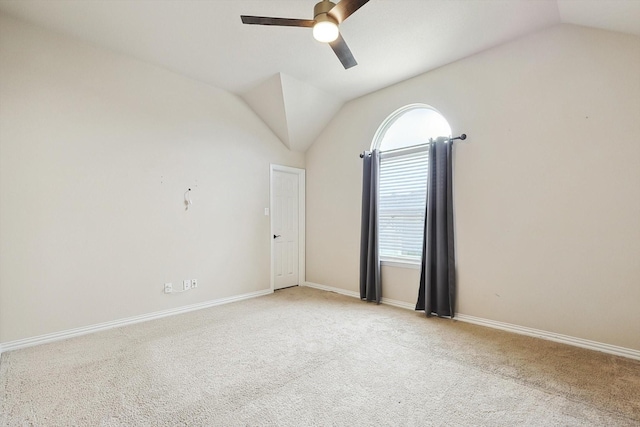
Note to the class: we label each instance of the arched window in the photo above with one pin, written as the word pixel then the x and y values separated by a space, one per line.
pixel 403 140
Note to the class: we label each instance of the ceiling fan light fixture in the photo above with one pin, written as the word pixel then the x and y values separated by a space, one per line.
pixel 327 15
pixel 325 30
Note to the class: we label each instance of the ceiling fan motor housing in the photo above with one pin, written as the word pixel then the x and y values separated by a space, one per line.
pixel 321 9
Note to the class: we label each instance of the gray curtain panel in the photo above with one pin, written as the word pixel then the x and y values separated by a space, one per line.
pixel 437 278
pixel 370 287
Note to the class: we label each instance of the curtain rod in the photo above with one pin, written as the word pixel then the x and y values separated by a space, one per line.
pixel 462 137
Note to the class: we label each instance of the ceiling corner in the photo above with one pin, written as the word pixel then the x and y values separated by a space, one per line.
pixel 295 111
pixel 267 101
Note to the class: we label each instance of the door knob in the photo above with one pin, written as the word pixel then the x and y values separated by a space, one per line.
pixel 275 236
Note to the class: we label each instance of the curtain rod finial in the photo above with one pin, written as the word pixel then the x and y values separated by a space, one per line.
pixel 462 137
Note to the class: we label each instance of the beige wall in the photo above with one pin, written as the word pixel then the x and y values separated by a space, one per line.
pixel 547 187
pixel 96 152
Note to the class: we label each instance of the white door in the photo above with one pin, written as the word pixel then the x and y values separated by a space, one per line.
pixel 285 228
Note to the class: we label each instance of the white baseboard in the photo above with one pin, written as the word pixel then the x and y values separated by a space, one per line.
pixel 396 303
pixel 552 336
pixel 522 330
pixel 386 301
pixel 331 289
pixel 62 335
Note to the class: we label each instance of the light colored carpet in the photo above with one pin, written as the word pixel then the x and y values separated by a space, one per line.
pixel 304 357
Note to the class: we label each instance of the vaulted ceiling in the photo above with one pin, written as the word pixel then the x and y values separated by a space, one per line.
pixel 284 68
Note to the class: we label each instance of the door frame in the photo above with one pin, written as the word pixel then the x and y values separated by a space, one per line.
pixel 301 173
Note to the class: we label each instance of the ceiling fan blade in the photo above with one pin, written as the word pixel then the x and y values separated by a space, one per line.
pixel 282 22
pixel 343 52
pixel 345 8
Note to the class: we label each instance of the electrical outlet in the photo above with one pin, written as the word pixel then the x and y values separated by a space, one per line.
pixel 168 288
pixel 186 285
pixel 194 283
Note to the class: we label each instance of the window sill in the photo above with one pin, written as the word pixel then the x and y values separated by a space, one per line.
pixel 400 263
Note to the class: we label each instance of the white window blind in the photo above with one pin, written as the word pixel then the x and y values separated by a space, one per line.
pixel 401 203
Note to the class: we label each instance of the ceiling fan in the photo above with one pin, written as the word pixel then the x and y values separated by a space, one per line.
pixel 326 18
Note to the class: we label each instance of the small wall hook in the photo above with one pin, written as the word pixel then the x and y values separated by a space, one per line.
pixel 187 199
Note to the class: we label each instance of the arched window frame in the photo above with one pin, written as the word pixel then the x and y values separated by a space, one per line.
pixel 410 230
